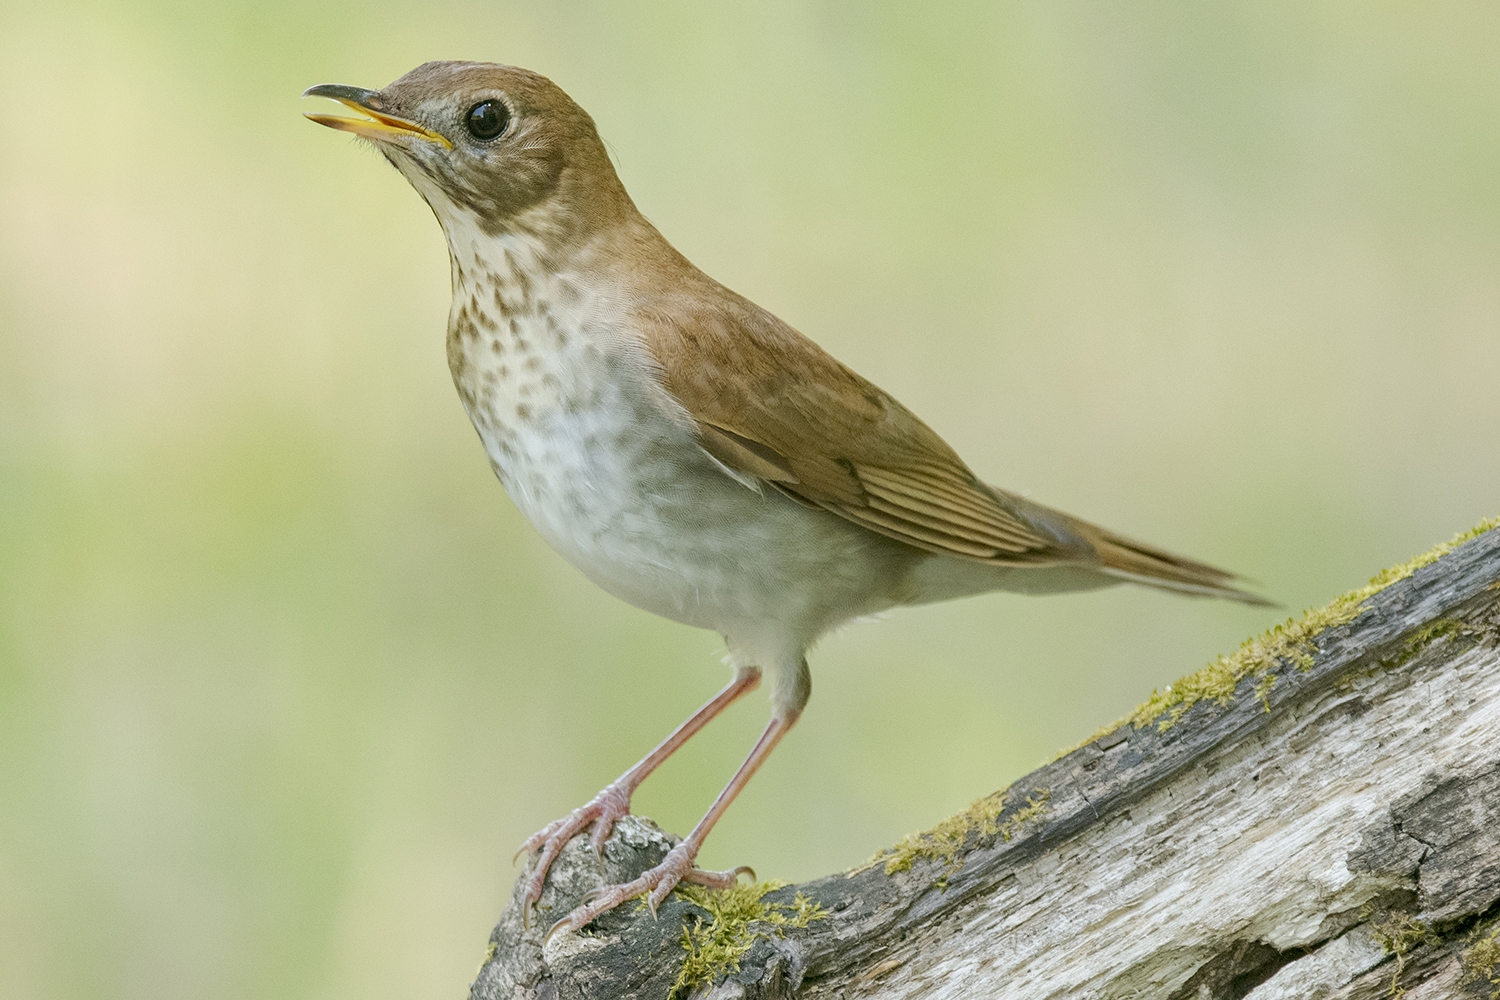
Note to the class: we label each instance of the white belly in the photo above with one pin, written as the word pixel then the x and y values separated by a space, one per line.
pixel 625 494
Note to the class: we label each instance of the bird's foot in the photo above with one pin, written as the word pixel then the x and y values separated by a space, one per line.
pixel 603 811
pixel 654 883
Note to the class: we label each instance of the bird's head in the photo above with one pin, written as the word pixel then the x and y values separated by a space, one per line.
pixel 486 145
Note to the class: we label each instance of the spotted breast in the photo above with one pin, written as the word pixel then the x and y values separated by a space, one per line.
pixel 600 461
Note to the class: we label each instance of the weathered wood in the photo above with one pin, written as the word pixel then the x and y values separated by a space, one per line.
pixel 1334 832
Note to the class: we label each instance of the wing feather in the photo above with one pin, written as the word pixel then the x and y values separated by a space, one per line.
pixel 943 525
pixel 960 508
pixel 903 527
pixel 770 403
pixel 745 455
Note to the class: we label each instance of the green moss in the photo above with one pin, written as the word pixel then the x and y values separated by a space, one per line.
pixel 1263 690
pixel 1481 962
pixel 1289 642
pixel 944 841
pixel 1424 637
pixel 1415 643
pixel 1034 809
pixel 738 916
pixel 1398 935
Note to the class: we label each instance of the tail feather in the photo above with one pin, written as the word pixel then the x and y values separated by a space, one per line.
pixel 1079 542
pixel 1141 563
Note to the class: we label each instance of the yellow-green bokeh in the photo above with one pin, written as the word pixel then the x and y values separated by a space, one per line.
pixel 284 678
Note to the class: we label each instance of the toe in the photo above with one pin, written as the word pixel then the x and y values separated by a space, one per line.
pixel 597 903
pixel 603 811
pixel 602 829
pixel 610 805
pixel 662 891
pixel 718 880
pixel 656 883
pixel 535 842
pixel 538 877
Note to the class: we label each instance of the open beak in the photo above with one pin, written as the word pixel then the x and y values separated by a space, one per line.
pixel 380 126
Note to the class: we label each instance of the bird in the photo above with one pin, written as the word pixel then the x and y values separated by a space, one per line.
pixel 684 448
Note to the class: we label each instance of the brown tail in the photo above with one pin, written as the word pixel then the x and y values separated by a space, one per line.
pixel 1140 563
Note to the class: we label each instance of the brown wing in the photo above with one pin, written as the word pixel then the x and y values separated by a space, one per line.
pixel 771 403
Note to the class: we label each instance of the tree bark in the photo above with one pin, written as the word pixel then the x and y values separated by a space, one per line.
pixel 1331 828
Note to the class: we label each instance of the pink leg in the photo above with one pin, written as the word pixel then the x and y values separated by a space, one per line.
pixel 678 866
pixel 614 801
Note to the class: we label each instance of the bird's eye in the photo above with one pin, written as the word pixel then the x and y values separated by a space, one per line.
pixel 487 119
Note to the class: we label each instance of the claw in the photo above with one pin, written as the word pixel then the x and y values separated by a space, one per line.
pixel 555 928
pixel 660 894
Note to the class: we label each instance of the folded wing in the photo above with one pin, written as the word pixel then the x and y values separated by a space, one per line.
pixel 770 403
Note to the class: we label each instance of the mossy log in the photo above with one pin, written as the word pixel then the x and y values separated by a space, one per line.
pixel 1316 816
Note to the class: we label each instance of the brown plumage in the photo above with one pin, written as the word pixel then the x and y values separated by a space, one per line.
pixel 684 448
pixel 772 404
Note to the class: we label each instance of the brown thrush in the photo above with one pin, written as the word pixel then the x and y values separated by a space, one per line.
pixel 687 450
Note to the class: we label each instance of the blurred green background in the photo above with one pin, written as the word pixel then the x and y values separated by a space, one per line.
pixel 284 678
